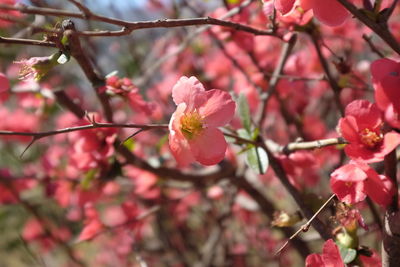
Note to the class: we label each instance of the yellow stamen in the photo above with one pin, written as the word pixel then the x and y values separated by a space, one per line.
pixel 370 138
pixel 191 125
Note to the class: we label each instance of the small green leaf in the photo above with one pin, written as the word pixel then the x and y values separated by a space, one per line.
pixel 130 144
pixel 348 254
pixel 257 159
pixel 87 180
pixel 243 133
pixel 244 112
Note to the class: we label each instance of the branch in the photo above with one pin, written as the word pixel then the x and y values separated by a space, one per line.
pixel 307 212
pixel 331 80
pixel 380 28
pixel 292 147
pixel 306 226
pixel 285 52
pixel 45 43
pixel 268 209
pixel 95 125
pixel 46 227
pixel 134 25
pixel 372 46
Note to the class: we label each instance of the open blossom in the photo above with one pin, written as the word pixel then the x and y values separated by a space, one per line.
pixel 386 79
pixel 361 127
pixel 330 256
pixel 193 127
pixel 329 12
pixel 37 67
pixel 354 181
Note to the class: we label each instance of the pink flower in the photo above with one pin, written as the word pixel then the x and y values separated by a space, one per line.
pixel 354 181
pixel 386 79
pixel 284 6
pixel 361 127
pixel 125 88
pixel 4 87
pixel 329 12
pixel 330 256
pixel 12 13
pixel 193 127
pixel 37 67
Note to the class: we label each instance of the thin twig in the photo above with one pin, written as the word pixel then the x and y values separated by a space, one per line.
pixel 86 127
pixel 135 25
pixel 324 63
pixel 306 226
pixel 372 46
pixel 45 43
pixel 381 28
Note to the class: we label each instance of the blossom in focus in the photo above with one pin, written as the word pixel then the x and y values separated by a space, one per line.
pixel 37 67
pixel 193 126
pixel 386 80
pixel 330 256
pixel 329 12
pixel 354 181
pixel 361 127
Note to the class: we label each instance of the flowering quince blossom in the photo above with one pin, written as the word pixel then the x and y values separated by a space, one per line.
pixel 37 67
pixel 386 80
pixel 329 12
pixel 330 256
pixel 354 181
pixel 193 126
pixel 361 127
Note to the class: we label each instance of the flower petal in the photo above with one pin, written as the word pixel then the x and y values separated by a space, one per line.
pixel 284 6
pixel 178 144
pixel 379 188
pixel 219 108
pixel 347 182
pixel 383 67
pixel 331 255
pixel 330 12
pixel 189 91
pixel 209 147
pixel 367 114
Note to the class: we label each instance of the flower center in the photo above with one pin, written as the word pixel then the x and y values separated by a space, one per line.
pixel 191 125
pixel 370 138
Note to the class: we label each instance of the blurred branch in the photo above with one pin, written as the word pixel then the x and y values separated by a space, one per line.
pixel 46 228
pixel 372 46
pixel 287 49
pixel 94 125
pixel 379 27
pixel 316 39
pixel 130 26
pixel 5 40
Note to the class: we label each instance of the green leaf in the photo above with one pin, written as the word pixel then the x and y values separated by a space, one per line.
pixel 243 133
pixel 87 180
pixel 130 144
pixel 257 159
pixel 348 254
pixel 244 112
